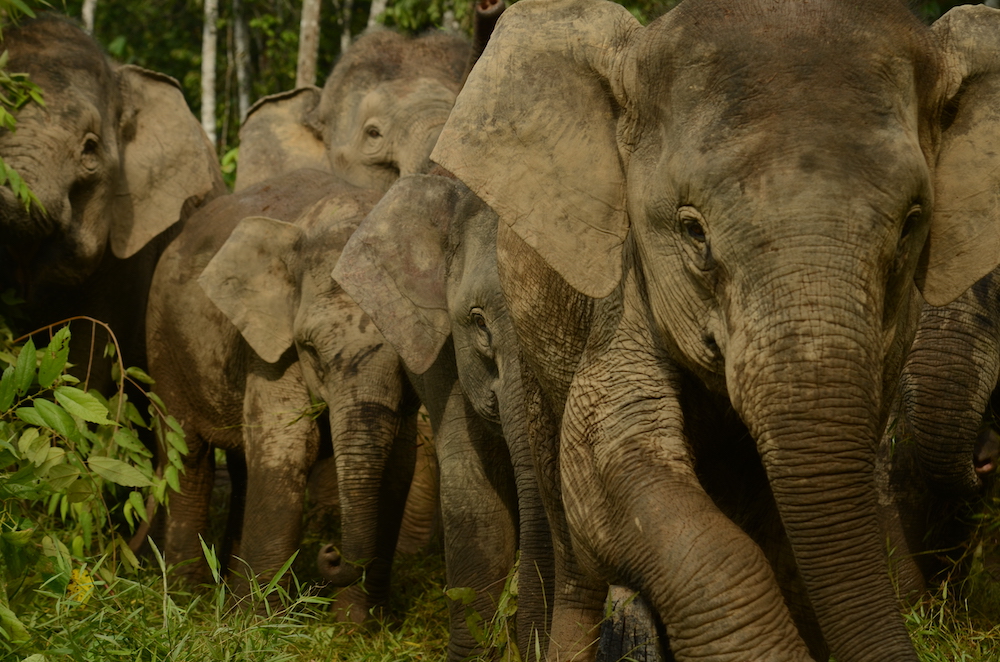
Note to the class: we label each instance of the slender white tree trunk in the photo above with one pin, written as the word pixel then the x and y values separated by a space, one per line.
pixel 378 8
pixel 305 72
pixel 89 6
pixel 345 22
pixel 209 36
pixel 242 39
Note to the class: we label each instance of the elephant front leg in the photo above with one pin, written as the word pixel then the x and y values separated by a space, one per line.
pixel 638 514
pixel 478 507
pixel 281 443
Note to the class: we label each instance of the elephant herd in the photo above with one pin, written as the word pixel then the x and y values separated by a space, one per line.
pixel 666 292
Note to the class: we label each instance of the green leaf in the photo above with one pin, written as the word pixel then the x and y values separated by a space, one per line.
pixel 12 627
pixel 30 416
pixel 7 389
pixel 62 476
pixel 135 498
pixel 54 358
pixel 139 375
pixel 462 594
pixel 176 442
pixel 56 417
pixel 127 439
pixel 173 479
pixel 24 371
pixel 118 472
pixel 82 404
pixel 79 491
pixel 30 441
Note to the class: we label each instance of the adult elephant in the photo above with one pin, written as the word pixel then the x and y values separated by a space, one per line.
pixel 719 215
pixel 247 332
pixel 117 161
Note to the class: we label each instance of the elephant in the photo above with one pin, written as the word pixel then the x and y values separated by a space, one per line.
pixel 939 454
pixel 377 116
pixel 118 162
pixel 247 333
pixel 711 231
pixel 422 266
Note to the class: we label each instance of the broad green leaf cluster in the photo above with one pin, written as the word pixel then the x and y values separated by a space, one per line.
pixel 74 478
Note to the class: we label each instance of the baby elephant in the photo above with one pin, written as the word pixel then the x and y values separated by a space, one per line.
pixel 247 334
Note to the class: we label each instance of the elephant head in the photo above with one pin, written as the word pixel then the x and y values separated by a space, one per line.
pixel 751 188
pixel 113 155
pixel 272 280
pixel 377 116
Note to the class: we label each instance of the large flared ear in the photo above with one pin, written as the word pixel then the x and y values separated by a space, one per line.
pixel 280 135
pixel 166 159
pixel 534 134
pixel 253 282
pixel 964 241
pixel 394 266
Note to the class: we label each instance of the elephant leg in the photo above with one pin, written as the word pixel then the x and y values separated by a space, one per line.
pixel 421 519
pixel 188 513
pixel 478 508
pixel 554 580
pixel 372 415
pixel 236 465
pixel 281 443
pixel 638 513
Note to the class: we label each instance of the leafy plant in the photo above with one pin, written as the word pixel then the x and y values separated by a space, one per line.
pixel 72 466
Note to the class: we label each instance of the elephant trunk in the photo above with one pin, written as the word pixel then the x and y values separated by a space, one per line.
pixel 948 378
pixel 810 391
pixel 375 451
pixel 487 14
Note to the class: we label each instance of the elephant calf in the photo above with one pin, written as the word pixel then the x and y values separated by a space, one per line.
pixel 247 332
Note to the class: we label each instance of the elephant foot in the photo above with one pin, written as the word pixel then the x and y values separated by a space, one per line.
pixel 352 605
pixel 986 451
pixel 334 569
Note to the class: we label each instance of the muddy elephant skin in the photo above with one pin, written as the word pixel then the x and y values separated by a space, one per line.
pixel 710 233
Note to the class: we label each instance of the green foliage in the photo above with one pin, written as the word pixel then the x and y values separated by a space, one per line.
pixel 15 91
pixel 71 467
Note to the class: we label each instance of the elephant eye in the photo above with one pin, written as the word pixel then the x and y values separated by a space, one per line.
pixel 90 146
pixel 484 337
pixel 693 224
pixel 373 132
pixel 912 220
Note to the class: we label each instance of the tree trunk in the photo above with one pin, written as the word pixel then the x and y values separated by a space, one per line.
pixel 89 6
pixel 378 8
pixel 208 56
pixel 242 38
pixel 345 23
pixel 305 73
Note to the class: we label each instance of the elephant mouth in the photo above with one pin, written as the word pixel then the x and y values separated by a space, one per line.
pixel 986 452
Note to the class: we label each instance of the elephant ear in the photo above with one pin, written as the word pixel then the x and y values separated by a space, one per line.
pixel 279 135
pixel 394 266
pixel 253 282
pixel 964 241
pixel 534 134
pixel 166 159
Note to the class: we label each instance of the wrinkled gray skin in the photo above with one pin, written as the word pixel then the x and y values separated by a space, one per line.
pixel 378 115
pixel 941 449
pixel 429 248
pixel 246 332
pixel 117 160
pixel 709 233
